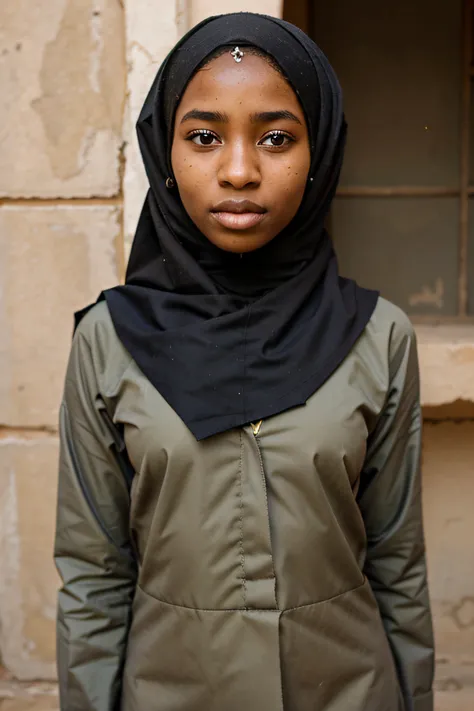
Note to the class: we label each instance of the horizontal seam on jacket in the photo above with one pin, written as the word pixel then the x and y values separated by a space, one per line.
pixel 329 599
pixel 252 609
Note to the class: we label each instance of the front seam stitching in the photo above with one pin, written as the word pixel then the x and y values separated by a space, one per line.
pixel 264 484
pixel 241 519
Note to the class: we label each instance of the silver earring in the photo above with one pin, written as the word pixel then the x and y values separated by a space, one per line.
pixel 237 54
pixel 169 183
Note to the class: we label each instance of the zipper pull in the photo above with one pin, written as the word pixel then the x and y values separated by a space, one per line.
pixel 256 427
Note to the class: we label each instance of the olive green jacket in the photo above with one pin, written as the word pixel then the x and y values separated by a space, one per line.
pixel 278 571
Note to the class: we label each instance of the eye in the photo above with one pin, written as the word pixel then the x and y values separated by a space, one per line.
pixel 276 139
pixel 203 138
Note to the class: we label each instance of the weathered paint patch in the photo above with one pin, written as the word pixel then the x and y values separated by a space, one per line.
pixel 82 84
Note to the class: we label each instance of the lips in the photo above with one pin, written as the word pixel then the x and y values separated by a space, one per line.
pixel 238 214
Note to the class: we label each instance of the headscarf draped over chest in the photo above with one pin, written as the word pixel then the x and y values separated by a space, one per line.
pixel 230 339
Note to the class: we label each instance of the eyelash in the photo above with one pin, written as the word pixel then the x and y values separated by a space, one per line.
pixel 206 132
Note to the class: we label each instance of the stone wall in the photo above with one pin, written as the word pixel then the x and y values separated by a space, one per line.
pixel 74 74
pixel 63 79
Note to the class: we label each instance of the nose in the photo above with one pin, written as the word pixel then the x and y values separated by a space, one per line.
pixel 239 166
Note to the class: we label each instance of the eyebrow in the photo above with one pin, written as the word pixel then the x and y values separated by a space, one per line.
pixel 269 116
pixel 211 116
pixel 260 117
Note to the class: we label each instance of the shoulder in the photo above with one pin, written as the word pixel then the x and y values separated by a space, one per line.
pixel 388 345
pixel 393 323
pixel 96 320
pixel 98 348
pixel 392 330
pixel 387 316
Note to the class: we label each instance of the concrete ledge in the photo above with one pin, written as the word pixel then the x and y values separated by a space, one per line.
pixel 446 354
pixel 27 696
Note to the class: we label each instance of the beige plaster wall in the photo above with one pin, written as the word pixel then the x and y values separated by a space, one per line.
pixel 63 79
pixel 74 74
pixel 152 29
pixel 63 86
pixel 448 495
pixel 200 9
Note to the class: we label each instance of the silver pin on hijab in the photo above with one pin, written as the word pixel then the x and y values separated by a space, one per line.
pixel 237 54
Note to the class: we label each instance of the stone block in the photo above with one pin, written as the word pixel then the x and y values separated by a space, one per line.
pixel 55 260
pixel 200 9
pixel 31 703
pixel 62 73
pixel 151 34
pixel 28 583
pixel 454 701
pixel 446 355
pixel 448 495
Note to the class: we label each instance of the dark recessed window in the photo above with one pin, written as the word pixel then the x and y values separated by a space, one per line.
pixel 403 221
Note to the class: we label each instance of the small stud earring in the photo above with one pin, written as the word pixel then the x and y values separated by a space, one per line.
pixel 311 180
pixel 169 183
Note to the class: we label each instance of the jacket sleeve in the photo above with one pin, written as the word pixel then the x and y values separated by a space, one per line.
pixel 390 502
pixel 93 552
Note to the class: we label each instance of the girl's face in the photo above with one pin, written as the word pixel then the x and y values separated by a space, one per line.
pixel 240 152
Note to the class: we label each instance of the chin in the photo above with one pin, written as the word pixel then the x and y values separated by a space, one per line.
pixel 239 244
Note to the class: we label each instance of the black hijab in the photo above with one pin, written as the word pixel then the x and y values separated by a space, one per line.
pixel 229 339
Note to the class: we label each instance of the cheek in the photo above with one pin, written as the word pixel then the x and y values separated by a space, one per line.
pixel 191 177
pixel 287 183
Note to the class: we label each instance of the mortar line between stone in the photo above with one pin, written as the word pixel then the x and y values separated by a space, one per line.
pixel 27 432
pixel 444 420
pixel 115 200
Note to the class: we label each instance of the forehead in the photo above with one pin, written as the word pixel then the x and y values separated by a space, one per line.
pixel 225 80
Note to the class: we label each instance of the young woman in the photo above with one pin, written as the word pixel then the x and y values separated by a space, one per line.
pixel 239 520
